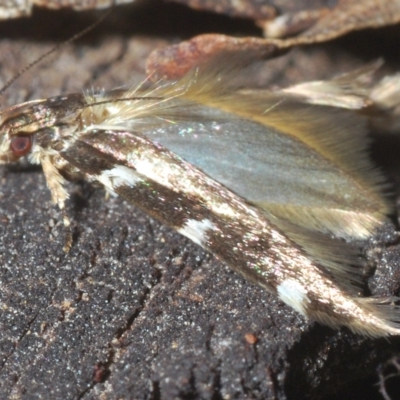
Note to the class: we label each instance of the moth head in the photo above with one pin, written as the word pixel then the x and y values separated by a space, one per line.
pixel 20 125
pixel 17 126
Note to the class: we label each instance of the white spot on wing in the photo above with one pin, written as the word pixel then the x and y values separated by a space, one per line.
pixel 197 230
pixel 294 295
pixel 118 176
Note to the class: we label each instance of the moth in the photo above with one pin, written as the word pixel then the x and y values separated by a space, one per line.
pixel 275 187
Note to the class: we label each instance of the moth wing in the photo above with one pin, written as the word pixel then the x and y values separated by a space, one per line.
pixel 307 165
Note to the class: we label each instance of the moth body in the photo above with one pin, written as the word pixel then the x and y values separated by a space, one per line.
pixel 264 182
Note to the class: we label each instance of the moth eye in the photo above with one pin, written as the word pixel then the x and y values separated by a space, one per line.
pixel 20 145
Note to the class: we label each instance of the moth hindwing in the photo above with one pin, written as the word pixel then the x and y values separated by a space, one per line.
pixel 271 185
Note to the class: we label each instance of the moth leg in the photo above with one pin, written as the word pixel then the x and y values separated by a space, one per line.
pixel 109 193
pixel 68 240
pixel 59 195
pixel 54 181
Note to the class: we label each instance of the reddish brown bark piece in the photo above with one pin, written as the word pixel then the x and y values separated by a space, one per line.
pixel 317 25
pixel 174 61
pixel 252 9
pixel 348 16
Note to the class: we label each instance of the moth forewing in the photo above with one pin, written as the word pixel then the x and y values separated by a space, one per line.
pixel 259 179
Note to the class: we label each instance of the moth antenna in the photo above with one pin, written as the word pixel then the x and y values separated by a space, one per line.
pixel 55 49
